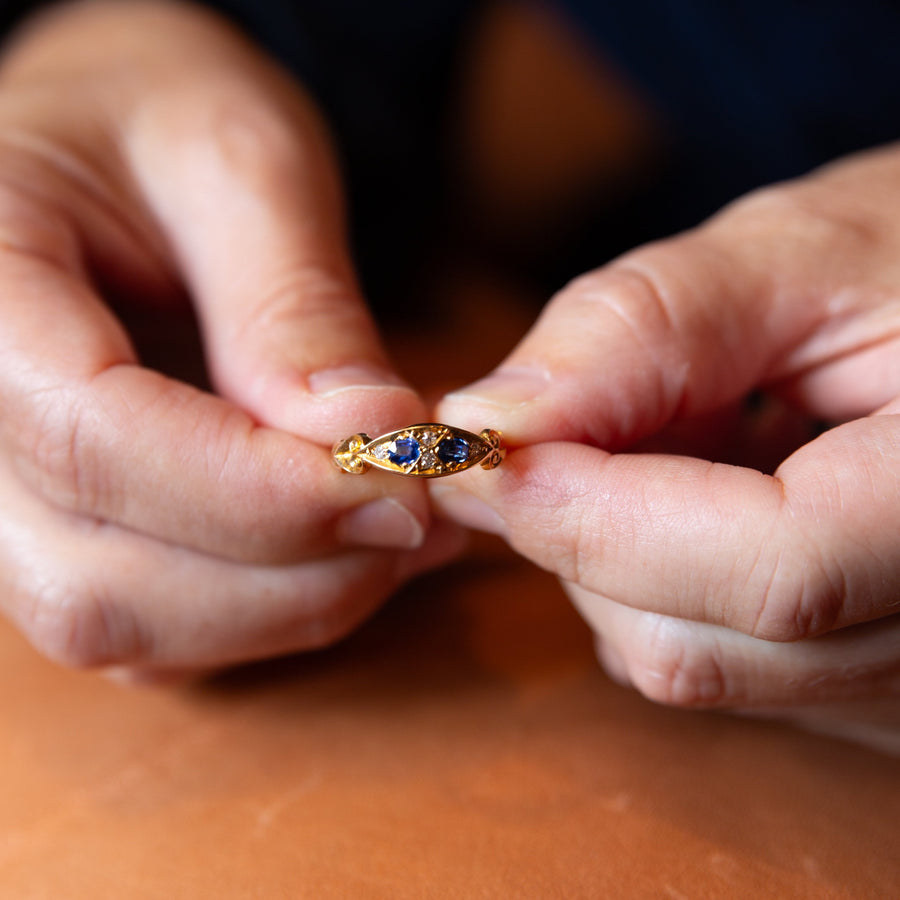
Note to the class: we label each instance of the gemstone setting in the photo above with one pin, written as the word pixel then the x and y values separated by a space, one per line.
pixel 428 438
pixel 453 451
pixel 404 451
pixel 429 460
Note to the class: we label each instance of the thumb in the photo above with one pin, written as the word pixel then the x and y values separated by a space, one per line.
pixel 248 192
pixel 782 287
pixel 663 332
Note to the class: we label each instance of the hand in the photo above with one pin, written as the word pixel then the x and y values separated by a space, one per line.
pixel 150 155
pixel 708 583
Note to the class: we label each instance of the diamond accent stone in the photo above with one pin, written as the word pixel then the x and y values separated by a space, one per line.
pixel 382 451
pixel 429 437
pixel 453 451
pixel 429 460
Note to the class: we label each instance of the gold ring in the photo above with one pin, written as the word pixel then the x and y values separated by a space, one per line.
pixel 429 450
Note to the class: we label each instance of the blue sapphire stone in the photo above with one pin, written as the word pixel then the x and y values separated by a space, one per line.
pixel 453 451
pixel 405 451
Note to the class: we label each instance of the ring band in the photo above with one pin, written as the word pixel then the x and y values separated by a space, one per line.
pixel 429 450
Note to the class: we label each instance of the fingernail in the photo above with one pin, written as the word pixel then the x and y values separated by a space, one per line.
pixel 128 676
pixel 382 523
pixel 468 510
pixel 509 387
pixel 613 662
pixel 344 378
pixel 445 543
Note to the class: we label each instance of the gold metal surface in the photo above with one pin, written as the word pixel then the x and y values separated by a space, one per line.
pixel 428 450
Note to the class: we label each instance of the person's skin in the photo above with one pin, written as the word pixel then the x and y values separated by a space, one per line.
pixel 150 158
pixel 711 584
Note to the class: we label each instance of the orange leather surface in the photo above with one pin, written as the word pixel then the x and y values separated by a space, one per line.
pixel 462 744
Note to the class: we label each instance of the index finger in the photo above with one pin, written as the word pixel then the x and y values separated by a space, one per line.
pixel 242 178
pixel 98 435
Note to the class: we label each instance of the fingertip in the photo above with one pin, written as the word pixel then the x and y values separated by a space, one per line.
pixel 612 661
pixel 338 380
pixel 386 522
pixel 507 388
pixel 328 405
pixel 467 509
pixel 501 400
pixel 360 409
pixel 149 677
pixel 445 542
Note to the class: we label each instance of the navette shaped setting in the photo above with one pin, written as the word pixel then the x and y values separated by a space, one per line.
pixel 428 450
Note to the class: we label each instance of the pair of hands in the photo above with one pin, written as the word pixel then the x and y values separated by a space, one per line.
pixel 151 524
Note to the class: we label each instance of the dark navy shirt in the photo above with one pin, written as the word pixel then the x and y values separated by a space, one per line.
pixel 755 91
pixel 749 92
